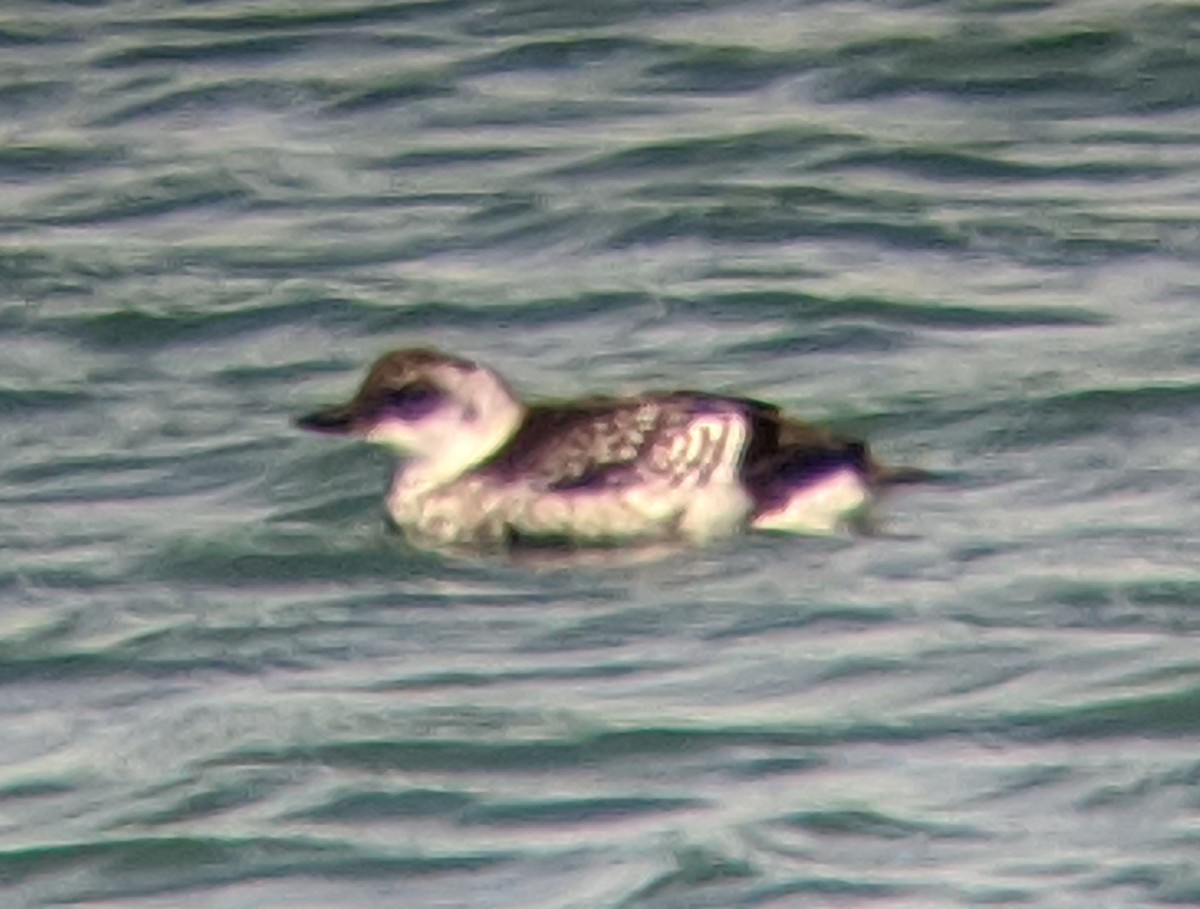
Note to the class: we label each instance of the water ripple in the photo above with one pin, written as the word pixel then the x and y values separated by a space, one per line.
pixel 965 231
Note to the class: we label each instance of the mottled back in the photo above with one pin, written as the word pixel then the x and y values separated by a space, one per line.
pixel 677 437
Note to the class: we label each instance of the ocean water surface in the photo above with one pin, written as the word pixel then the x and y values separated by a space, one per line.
pixel 968 230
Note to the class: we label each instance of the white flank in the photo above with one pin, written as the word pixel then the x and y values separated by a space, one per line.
pixel 718 510
pixel 819 508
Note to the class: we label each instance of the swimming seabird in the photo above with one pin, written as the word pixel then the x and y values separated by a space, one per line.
pixel 480 467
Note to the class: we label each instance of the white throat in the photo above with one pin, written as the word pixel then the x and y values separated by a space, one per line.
pixel 489 414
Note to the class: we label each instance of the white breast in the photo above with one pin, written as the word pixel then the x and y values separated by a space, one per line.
pixel 687 486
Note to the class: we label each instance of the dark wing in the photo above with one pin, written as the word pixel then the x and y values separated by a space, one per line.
pixel 778 443
pixel 678 437
pixel 606 442
pixel 786 454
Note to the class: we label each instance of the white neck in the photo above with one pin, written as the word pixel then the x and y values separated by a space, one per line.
pixel 491 414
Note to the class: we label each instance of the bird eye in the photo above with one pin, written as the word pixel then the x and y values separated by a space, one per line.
pixel 413 400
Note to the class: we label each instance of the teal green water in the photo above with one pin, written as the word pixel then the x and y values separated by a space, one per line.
pixel 968 230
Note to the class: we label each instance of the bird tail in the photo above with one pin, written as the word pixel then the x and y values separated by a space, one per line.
pixel 881 475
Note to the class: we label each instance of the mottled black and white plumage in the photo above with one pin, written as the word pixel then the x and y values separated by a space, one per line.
pixel 481 467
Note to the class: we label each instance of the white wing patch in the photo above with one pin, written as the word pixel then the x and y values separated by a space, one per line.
pixel 819 508
pixel 705 448
pixel 716 504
